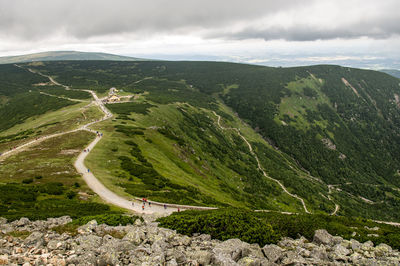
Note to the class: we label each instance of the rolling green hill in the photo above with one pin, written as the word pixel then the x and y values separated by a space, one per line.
pixel 64 55
pixel 202 133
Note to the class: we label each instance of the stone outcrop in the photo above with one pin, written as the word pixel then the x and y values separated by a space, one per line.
pixel 34 243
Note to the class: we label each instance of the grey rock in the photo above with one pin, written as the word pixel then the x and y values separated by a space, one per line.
pixel 382 250
pixel 355 245
pixel 87 228
pixel 341 250
pixel 367 246
pixel 136 236
pixel 222 259
pixel 286 242
pixel 252 261
pixel 22 222
pixel 323 237
pixel 6 228
pixel 3 220
pixel 319 253
pixel 35 238
pixel 88 242
pixel 138 222
pixel 56 244
pixel 202 257
pixel 337 240
pixel 87 258
pixel 292 258
pixel 272 252
pixel 171 263
pixel 232 248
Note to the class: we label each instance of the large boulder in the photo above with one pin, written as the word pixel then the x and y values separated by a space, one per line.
pixel 236 249
pixel 22 222
pixel 272 252
pixel 135 236
pixel 35 238
pixel 88 242
pixel 323 237
pixel 87 228
pixel 202 257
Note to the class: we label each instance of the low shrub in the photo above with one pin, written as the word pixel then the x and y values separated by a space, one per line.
pixel 27 180
pixel 109 219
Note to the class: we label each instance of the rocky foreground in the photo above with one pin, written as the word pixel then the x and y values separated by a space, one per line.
pixel 24 242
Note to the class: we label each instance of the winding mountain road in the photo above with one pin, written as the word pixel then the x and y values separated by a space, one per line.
pixel 135 204
pixel 107 195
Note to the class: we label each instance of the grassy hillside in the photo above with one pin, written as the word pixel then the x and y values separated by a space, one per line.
pixel 63 55
pixel 328 134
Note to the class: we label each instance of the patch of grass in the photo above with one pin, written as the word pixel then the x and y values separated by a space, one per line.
pixel 61 91
pixel 69 228
pixel 128 108
pixel 19 234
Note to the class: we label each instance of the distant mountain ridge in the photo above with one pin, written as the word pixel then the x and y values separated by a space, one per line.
pixel 393 72
pixel 65 55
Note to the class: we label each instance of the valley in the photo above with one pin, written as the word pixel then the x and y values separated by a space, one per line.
pixel 186 138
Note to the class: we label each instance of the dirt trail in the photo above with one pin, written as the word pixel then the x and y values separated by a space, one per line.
pixel 107 195
pixel 259 164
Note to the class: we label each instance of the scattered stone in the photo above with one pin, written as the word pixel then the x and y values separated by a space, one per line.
pixel 144 243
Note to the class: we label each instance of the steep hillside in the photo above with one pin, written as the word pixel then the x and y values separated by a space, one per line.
pixel 64 55
pixel 318 139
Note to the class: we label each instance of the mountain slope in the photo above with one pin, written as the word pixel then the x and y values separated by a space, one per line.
pixel 393 72
pixel 64 55
pixel 328 134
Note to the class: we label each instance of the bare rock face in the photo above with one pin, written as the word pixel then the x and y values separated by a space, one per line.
pixel 147 244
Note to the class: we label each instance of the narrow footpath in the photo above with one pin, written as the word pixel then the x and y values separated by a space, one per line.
pixel 259 164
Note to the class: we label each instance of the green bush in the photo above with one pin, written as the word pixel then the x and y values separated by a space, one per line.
pixel 222 224
pixel 109 219
pixel 263 228
pixel 27 180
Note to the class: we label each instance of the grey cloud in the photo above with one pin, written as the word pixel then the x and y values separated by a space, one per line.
pixel 28 19
pixel 41 19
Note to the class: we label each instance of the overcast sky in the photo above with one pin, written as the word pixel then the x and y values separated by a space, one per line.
pixel 362 33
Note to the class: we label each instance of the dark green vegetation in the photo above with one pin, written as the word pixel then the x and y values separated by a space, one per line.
pixel 108 219
pixel 20 99
pixel 332 125
pixel 63 55
pixel 41 182
pixel 320 126
pixel 156 186
pixel 23 200
pixel 265 228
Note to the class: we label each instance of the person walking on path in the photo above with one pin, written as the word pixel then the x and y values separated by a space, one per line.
pixel 88 170
pixel 142 207
pixel 165 206
pixel 149 203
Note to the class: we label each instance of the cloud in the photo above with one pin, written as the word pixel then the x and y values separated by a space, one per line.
pixel 292 20
pixel 28 19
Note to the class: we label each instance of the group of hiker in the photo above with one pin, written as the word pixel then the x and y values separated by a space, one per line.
pixel 144 201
